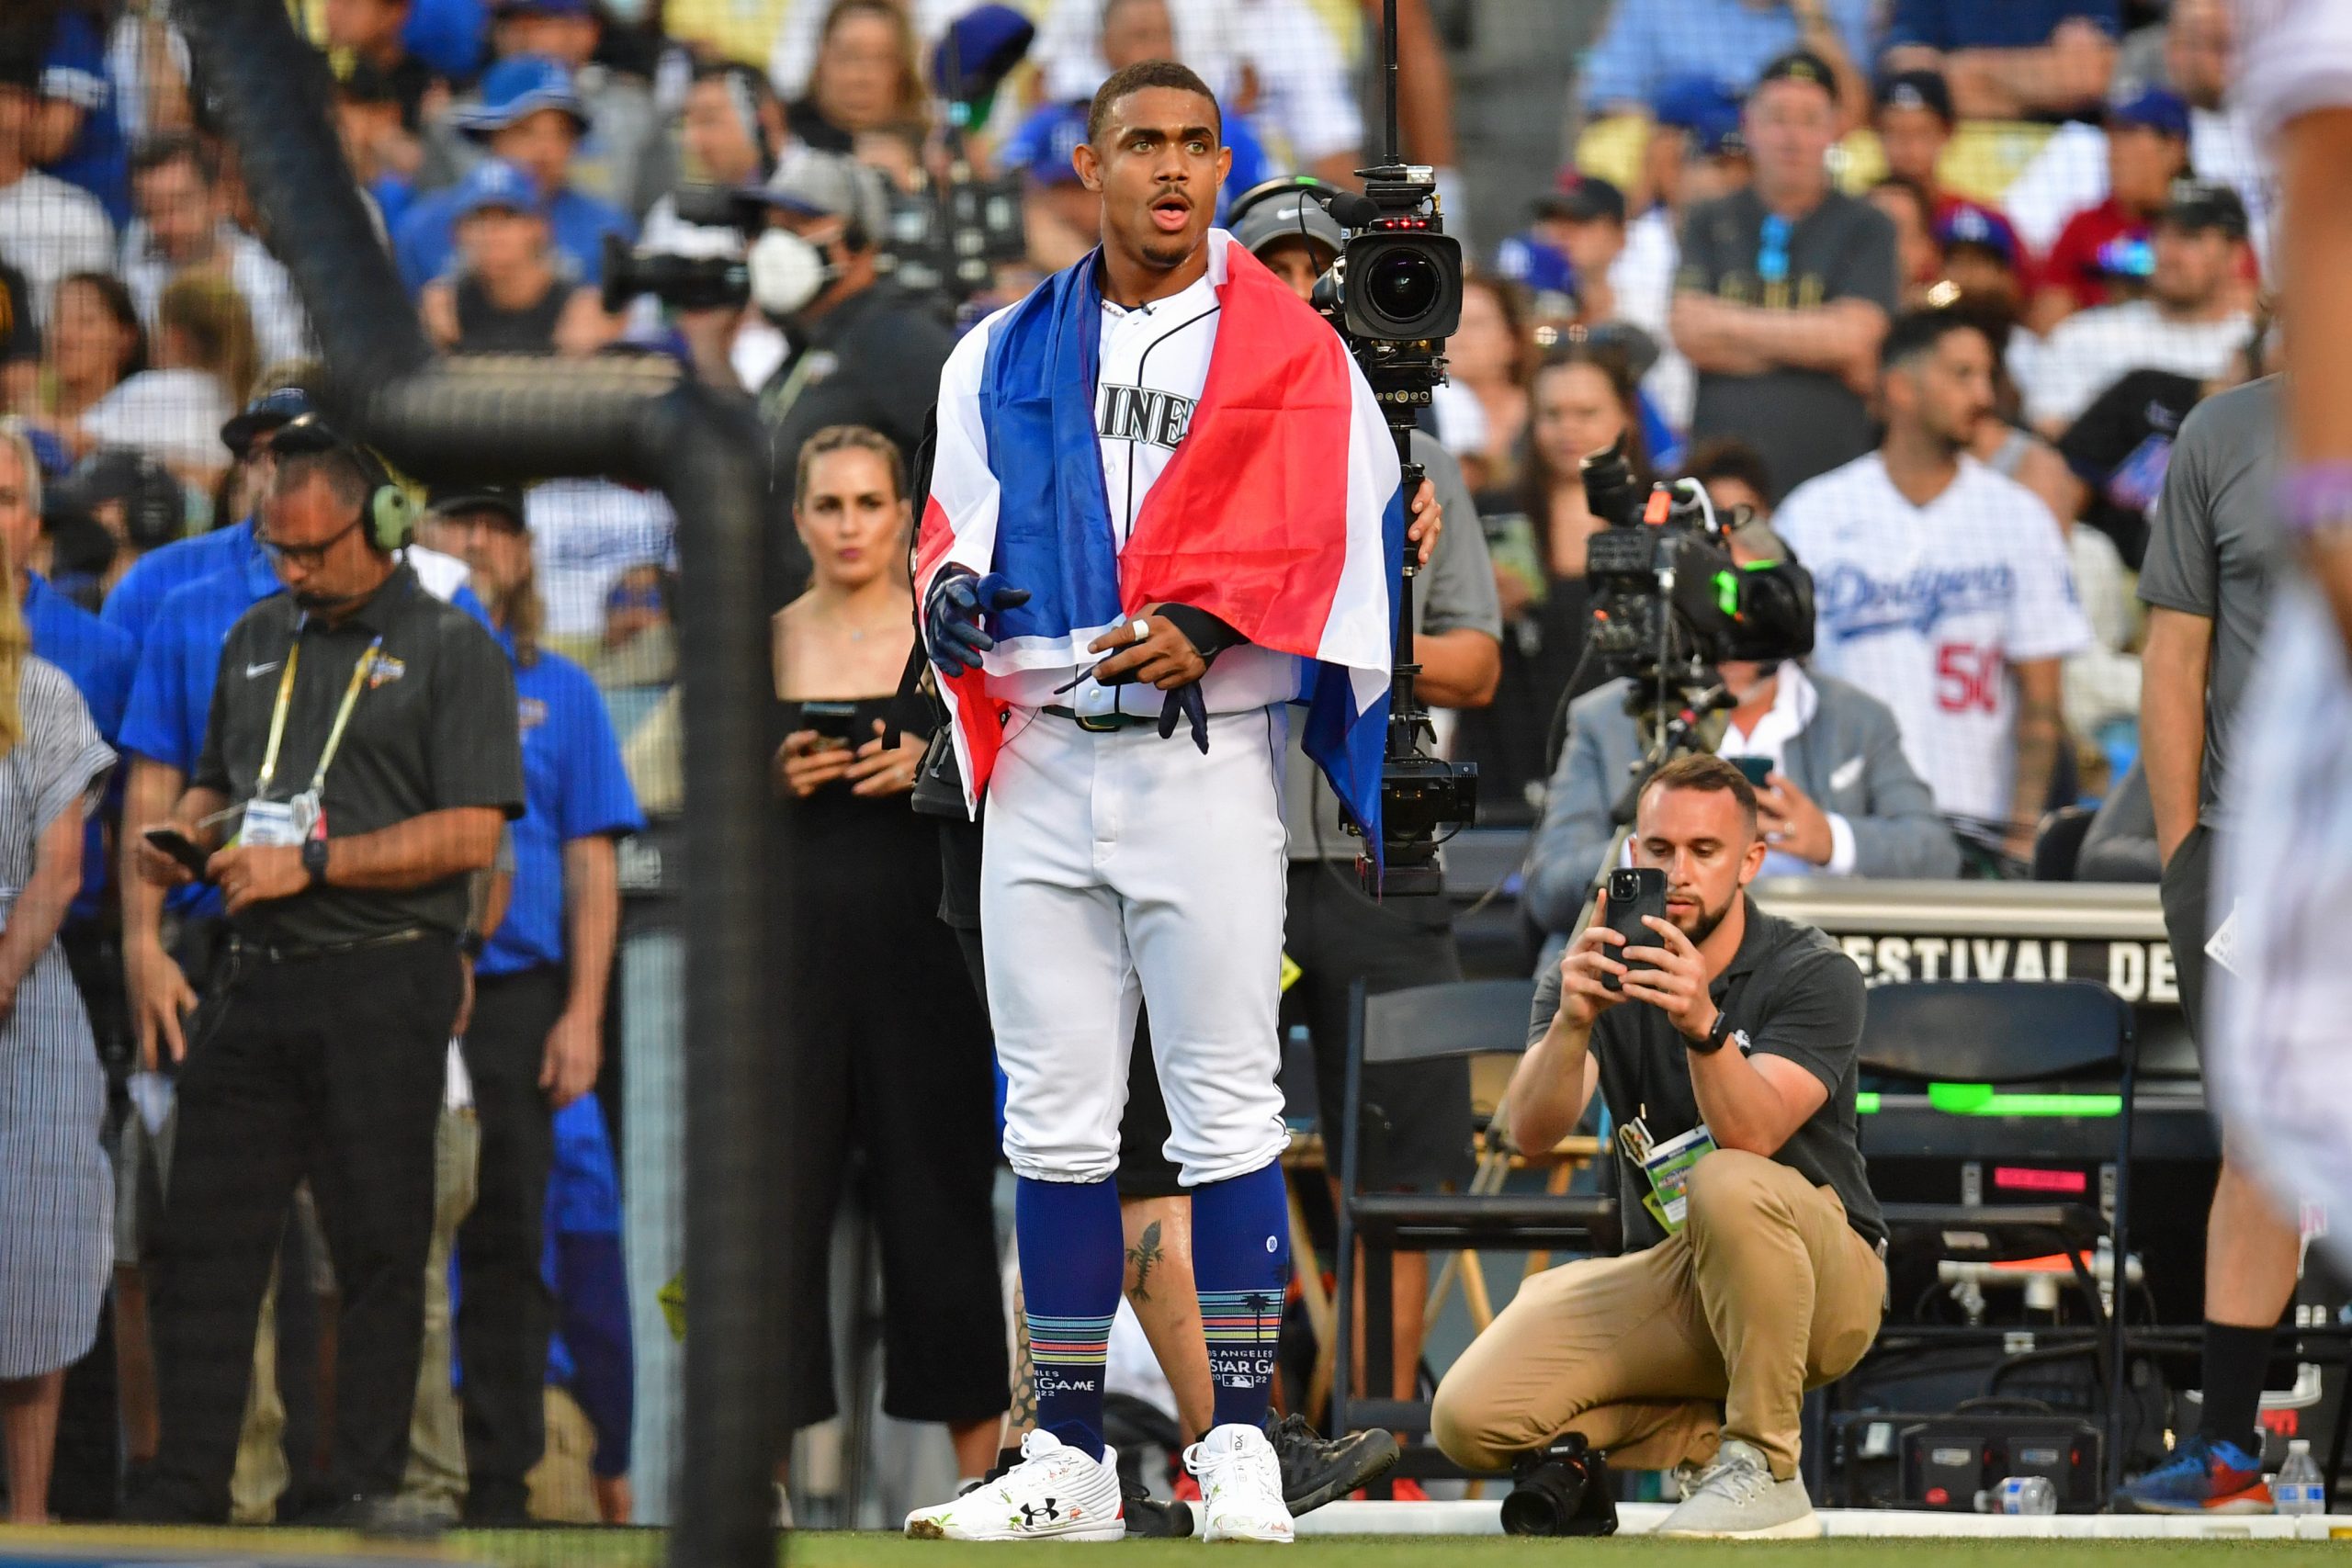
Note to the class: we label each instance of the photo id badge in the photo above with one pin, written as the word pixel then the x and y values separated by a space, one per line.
pixel 309 817
pixel 269 823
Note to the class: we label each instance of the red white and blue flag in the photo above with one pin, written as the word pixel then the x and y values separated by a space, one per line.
pixel 1280 512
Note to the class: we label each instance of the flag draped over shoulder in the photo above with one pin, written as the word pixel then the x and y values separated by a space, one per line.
pixel 1281 513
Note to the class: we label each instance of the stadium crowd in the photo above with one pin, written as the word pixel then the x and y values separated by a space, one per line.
pixel 1919 291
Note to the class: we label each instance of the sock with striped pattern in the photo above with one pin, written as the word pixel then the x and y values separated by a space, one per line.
pixel 1241 1258
pixel 1072 1253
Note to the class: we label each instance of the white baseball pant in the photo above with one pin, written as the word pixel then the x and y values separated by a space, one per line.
pixel 1118 868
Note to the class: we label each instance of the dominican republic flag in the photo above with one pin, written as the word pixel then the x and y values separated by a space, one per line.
pixel 1281 513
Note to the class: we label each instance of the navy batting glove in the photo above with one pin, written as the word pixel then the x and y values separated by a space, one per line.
pixel 952 617
pixel 1185 703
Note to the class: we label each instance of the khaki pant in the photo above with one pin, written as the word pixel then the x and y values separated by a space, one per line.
pixel 435 1478
pixel 1657 1356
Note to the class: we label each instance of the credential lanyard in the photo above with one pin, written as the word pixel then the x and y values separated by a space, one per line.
pixel 359 672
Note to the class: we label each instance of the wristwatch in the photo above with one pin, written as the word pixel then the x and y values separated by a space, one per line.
pixel 314 861
pixel 1717 1034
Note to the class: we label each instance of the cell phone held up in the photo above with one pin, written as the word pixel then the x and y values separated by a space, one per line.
pixel 1633 892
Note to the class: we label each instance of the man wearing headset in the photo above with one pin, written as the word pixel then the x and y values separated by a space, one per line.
pixel 359 763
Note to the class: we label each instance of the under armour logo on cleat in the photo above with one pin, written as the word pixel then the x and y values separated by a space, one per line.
pixel 1030 1513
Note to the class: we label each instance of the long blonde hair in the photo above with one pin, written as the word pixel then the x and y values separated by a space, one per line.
pixel 15 647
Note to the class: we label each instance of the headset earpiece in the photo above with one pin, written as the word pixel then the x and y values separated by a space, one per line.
pixel 391 517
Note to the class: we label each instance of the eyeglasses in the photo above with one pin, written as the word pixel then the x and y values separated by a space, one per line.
pixel 310 558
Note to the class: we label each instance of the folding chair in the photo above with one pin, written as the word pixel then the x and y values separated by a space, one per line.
pixel 1426 1023
pixel 2004 1034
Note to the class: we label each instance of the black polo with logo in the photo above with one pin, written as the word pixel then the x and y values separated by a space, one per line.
pixel 432 729
pixel 1796 995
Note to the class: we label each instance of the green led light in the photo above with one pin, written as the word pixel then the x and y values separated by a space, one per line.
pixel 1979 1100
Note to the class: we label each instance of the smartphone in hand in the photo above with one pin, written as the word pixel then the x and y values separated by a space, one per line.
pixel 180 847
pixel 1633 892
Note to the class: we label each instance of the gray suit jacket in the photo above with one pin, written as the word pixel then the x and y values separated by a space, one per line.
pixel 1849 760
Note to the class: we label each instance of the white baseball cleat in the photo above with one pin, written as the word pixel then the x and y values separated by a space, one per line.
pixel 1056 1492
pixel 1241 1485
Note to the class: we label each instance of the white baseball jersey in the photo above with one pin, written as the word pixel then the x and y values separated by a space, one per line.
pixel 2090 352
pixel 1925 608
pixel 1153 363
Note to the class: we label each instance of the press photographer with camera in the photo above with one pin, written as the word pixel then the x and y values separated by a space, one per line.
pixel 1753 1263
pixel 1840 798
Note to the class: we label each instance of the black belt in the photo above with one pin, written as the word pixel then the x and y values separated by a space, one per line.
pixel 244 949
pixel 1103 723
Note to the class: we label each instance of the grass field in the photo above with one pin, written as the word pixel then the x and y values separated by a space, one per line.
pixel 845 1551
pixel 644 1549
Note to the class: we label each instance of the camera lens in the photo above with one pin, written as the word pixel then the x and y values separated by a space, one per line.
pixel 1405 285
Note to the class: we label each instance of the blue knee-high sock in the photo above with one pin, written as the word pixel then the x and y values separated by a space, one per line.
pixel 1072 1256
pixel 1241 1261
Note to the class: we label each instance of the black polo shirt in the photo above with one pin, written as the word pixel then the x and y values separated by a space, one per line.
pixel 432 729
pixel 1797 996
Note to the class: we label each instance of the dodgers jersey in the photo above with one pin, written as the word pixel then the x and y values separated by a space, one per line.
pixel 1927 607
pixel 1152 364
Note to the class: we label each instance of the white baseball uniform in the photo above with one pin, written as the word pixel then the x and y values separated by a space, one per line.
pixel 1119 867
pixel 1925 608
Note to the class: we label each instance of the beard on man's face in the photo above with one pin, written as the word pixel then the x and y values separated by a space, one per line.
pixel 1702 926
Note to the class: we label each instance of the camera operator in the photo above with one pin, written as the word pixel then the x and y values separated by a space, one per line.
pixel 1695 1346
pixel 862 351
pixel 1841 799
pixel 1418 1113
pixel 728 128
pixel 373 776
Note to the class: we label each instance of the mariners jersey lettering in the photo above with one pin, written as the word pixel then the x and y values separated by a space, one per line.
pixel 1927 608
pixel 1151 366
pixel 1155 359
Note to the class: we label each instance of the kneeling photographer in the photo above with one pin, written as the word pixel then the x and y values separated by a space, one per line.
pixel 1753 1268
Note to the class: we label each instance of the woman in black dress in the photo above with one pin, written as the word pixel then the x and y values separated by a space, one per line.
pixel 1583 400
pixel 893 1049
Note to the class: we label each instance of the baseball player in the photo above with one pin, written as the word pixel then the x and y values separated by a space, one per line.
pixel 1164 508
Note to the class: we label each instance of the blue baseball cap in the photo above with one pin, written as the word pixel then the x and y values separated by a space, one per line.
pixel 1969 224
pixel 1040 147
pixel 277 407
pixel 517 88
pixel 1700 106
pixel 2153 108
pixel 978 51
pixel 495 183
pixel 1535 264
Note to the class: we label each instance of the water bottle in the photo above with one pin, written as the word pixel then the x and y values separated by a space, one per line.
pixel 2299 1488
pixel 2019 1495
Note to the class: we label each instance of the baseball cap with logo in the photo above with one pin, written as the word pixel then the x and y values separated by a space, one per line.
pixel 1289 214
pixel 1799 65
pixel 496 185
pixel 272 410
pixel 1968 224
pixel 1918 90
pixel 2197 205
pixel 1040 147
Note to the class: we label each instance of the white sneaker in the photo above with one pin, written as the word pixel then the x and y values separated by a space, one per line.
pixel 1241 1485
pixel 1056 1492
